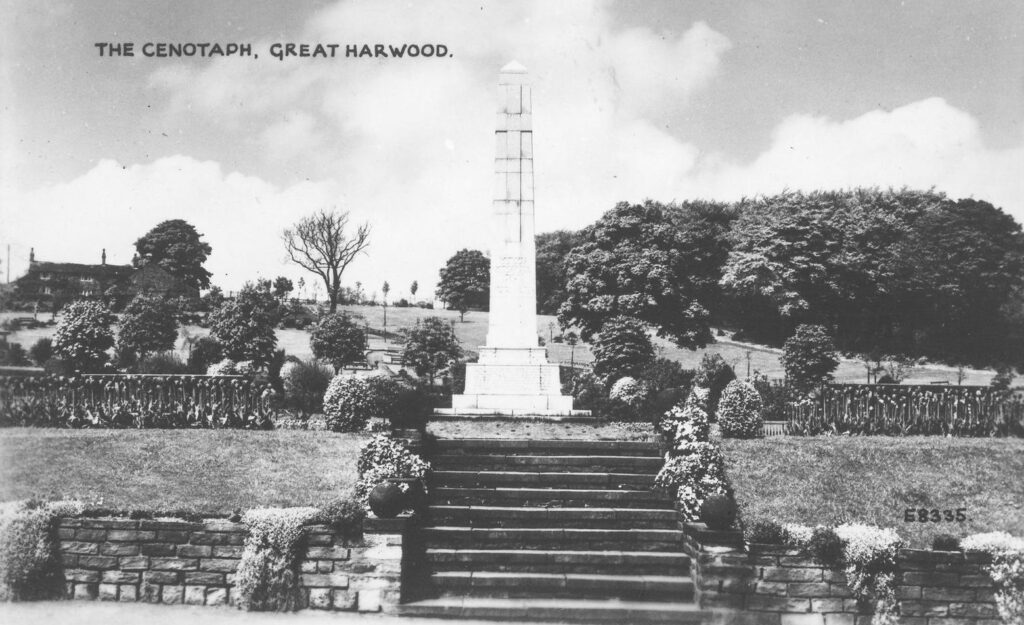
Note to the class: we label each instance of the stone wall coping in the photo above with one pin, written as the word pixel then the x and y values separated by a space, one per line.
pixel 397 525
pixel 708 537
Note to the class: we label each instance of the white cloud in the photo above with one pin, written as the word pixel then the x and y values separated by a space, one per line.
pixel 922 144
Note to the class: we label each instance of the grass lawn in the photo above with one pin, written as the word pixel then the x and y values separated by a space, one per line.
pixel 201 470
pixel 873 479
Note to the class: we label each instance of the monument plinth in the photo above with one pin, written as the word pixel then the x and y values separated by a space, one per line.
pixel 513 375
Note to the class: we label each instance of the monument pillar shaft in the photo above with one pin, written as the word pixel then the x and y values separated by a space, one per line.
pixel 513 309
pixel 513 375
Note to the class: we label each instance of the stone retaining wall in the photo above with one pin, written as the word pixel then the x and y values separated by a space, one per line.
pixel 773 585
pixel 173 561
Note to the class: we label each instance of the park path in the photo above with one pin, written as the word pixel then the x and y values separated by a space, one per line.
pixel 97 613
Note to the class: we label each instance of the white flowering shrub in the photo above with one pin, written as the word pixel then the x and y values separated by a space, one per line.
pixel 629 391
pixel 696 472
pixel 348 403
pixel 739 411
pixel 246 367
pixel 383 458
pixel 686 424
pixel 799 535
pixel 1006 570
pixel 30 561
pixel 700 397
pixel 268 574
pixel 870 556
pixel 224 367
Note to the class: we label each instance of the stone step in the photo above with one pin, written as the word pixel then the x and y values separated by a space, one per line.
pixel 548 538
pixel 542 463
pixel 525 517
pixel 550 497
pixel 497 446
pixel 576 585
pixel 559 610
pixel 540 479
pixel 557 561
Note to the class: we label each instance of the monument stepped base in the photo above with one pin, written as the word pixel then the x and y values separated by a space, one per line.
pixel 477 414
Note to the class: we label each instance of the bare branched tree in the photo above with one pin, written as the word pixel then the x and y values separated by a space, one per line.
pixel 320 245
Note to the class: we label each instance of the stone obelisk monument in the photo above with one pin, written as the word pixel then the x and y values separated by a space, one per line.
pixel 513 375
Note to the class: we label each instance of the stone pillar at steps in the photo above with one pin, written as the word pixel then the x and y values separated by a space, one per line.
pixel 513 375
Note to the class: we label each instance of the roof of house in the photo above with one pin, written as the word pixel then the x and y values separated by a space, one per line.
pixel 80 268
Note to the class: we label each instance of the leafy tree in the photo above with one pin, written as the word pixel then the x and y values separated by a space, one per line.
pixel 320 245
pixel 552 248
pixel 622 348
pixel 465 281
pixel 244 327
pixel 41 351
pixel 147 326
pixel 431 346
pixel 282 287
pixel 83 335
pixel 415 286
pixel 178 248
pixel 212 299
pixel 809 357
pixel 960 271
pixel 714 374
pixel 205 352
pixel 634 262
pixel 13 355
pixel 339 340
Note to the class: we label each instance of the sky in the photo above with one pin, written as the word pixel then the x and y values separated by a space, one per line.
pixel 669 100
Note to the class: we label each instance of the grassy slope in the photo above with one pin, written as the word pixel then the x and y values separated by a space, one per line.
pixel 208 470
pixel 873 480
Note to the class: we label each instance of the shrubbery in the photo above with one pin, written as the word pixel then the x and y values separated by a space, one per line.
pixel 84 336
pixel 621 348
pixel 1006 570
pixel 30 562
pixel 739 411
pixel 686 423
pixel 268 574
pixel 766 532
pixel 809 357
pixel 338 340
pixel 713 374
pixel 693 474
pixel 384 458
pixel 304 385
pixel 348 403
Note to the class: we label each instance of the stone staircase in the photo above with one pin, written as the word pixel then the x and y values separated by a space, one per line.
pixel 552 530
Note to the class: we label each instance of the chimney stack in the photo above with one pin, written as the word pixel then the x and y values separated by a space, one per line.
pixel 31 255
pixel 103 257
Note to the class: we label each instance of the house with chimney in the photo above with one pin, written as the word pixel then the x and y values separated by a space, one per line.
pixel 49 283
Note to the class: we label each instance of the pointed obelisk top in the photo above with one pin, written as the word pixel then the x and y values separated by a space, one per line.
pixel 513 74
pixel 514 67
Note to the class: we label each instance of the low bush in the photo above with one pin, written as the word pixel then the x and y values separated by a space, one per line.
pixel 713 374
pixel 348 403
pixel 870 556
pixel 696 472
pixel 30 561
pixel 225 367
pixel 1006 570
pixel 204 353
pixel 739 411
pixel 268 574
pixel 687 423
pixel 345 516
pixel 767 532
pixel 718 511
pixel 825 546
pixel 304 385
pixel 661 374
pixel 166 363
pixel 383 459
pixel 775 395
pixel 946 542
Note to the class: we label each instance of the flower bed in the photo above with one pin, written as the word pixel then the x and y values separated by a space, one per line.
pixel 135 401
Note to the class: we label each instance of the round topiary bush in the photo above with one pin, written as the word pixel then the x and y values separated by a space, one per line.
pixel 348 404
pixel 739 411
pixel 767 532
pixel 718 511
pixel 387 500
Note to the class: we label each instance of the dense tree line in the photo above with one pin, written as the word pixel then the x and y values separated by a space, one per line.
pixel 897 271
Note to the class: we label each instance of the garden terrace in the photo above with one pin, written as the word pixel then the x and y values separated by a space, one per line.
pixel 874 480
